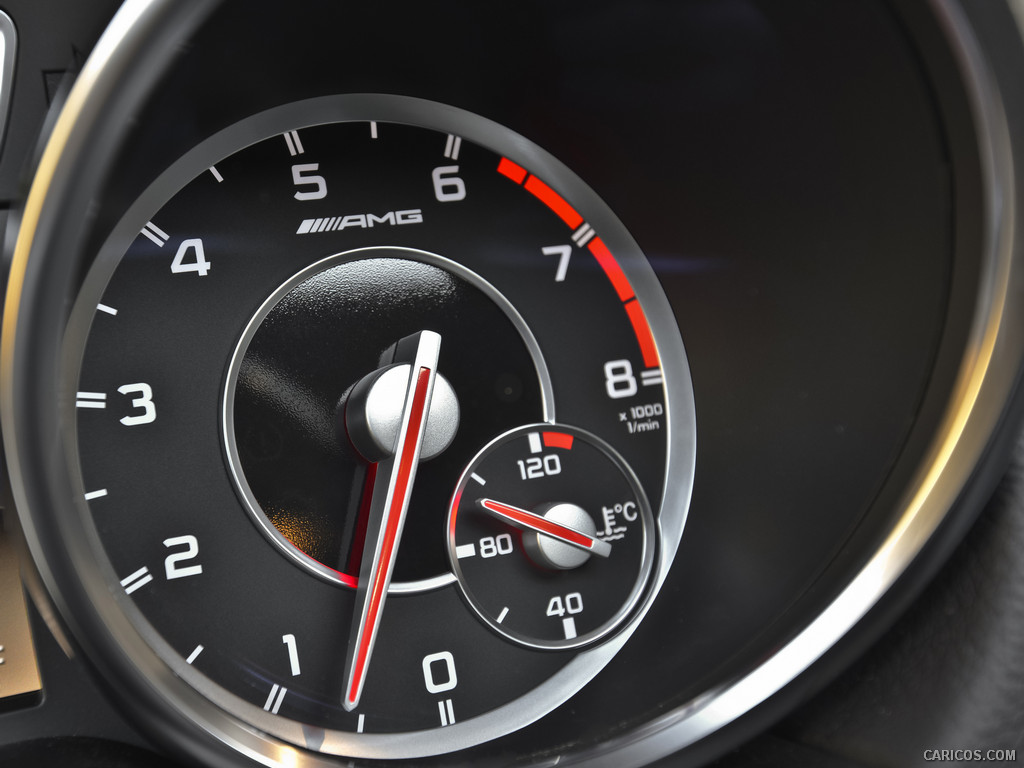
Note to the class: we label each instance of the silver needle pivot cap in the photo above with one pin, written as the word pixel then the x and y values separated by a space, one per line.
pixel 373 414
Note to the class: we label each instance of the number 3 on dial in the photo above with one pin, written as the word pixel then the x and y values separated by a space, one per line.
pixel 143 401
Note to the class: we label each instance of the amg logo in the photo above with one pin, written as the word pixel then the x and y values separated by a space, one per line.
pixel 361 220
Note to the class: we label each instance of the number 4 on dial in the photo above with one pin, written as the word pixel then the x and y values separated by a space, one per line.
pixel 198 264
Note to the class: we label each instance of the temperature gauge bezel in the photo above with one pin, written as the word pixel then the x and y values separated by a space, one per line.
pixel 645 517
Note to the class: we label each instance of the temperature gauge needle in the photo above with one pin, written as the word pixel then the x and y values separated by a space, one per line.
pixel 521 518
pixel 392 488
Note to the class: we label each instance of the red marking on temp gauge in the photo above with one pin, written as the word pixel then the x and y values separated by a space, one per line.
pixel 557 440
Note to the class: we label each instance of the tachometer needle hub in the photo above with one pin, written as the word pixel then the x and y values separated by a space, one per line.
pixel 390 500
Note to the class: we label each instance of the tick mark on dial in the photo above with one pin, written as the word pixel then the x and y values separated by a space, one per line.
pixel 275 698
pixel 136 580
pixel 154 233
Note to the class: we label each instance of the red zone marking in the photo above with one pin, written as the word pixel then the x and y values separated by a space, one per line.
pixel 405 466
pixel 600 251
pixel 515 172
pixel 554 201
pixel 611 268
pixel 643 333
pixel 557 440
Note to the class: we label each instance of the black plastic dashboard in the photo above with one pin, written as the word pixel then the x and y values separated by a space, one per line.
pixel 825 195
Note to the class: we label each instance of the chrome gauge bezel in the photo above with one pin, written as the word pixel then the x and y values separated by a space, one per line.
pixel 649 529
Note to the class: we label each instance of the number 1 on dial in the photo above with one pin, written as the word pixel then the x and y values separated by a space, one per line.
pixel 293 653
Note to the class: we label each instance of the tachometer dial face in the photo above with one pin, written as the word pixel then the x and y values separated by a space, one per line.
pixel 300 341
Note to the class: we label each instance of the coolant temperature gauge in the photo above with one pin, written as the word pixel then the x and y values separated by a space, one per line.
pixel 551 536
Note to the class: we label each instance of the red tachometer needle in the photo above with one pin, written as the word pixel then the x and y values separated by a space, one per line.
pixel 391 490
pixel 521 518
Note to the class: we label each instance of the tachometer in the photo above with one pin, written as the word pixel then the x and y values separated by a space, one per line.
pixel 374 417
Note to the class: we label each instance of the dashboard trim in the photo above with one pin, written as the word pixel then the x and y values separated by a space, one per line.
pixel 986 378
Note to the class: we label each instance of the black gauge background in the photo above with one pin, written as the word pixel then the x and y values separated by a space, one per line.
pixel 286 468
pixel 798 208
